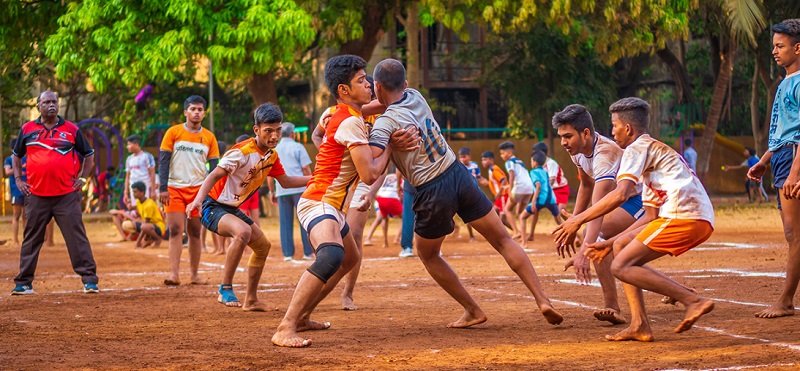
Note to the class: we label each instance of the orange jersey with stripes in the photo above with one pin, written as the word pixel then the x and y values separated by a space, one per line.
pixel 496 177
pixel 335 177
pixel 247 169
pixel 190 152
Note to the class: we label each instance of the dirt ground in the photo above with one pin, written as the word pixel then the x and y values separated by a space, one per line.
pixel 137 322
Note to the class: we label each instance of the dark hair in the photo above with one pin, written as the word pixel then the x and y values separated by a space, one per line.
pixel 789 27
pixel 194 99
pixel 242 138
pixel 134 139
pixel 487 154
pixel 464 151
pixel 632 110
pixel 576 116
pixel 687 142
pixel 13 143
pixel 139 186
pixel 110 169
pixel 223 147
pixel 750 150
pixel 371 81
pixel 340 70
pixel 267 113
pixel 541 146
pixel 507 145
pixel 391 74
pixel 539 157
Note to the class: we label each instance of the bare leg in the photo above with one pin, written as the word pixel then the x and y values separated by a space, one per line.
pixel 511 216
pixel 357 220
pixel 639 328
pixel 149 230
pixel 233 226
pixel 175 223
pixel 429 252
pixel 534 221
pixel 18 212
pixel 385 232
pixel 372 229
pixel 193 230
pixel 524 224
pixel 614 223
pixel 790 215
pixel 491 228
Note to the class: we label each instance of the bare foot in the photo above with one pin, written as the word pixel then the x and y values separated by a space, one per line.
pixel 776 311
pixel 693 313
pixel 289 339
pixel 472 240
pixel 640 333
pixel 256 306
pixel 197 280
pixel 218 252
pixel 172 281
pixel 347 303
pixel 609 315
pixel 469 319
pixel 551 315
pixel 530 238
pixel 311 325
pixel 368 243
pixel 230 304
pixel 670 301
pixel 385 245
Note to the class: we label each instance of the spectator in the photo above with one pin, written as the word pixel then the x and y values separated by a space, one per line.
pixel 690 154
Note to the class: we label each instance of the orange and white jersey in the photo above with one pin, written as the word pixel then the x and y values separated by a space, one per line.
pixel 496 178
pixel 553 169
pixel 247 169
pixel 190 152
pixel 335 177
pixel 668 181
pixel 603 163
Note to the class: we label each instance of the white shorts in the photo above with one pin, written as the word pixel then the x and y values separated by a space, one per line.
pixel 361 190
pixel 311 212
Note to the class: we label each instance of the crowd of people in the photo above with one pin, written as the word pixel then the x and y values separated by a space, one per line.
pixel 639 199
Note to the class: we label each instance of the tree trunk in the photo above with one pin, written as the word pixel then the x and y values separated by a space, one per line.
pixel 262 88
pixel 412 26
pixel 761 132
pixel 372 24
pixel 678 73
pixel 715 110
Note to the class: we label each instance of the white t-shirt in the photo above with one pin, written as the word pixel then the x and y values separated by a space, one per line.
pixel 668 181
pixel 138 167
pixel 603 163
pixel 389 187
pixel 557 179
pixel 522 180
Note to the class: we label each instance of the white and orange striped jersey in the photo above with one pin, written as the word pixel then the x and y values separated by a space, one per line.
pixel 668 181
pixel 557 179
pixel 335 176
pixel 247 168
pixel 190 152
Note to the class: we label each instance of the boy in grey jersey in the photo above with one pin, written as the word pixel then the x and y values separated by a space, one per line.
pixel 444 188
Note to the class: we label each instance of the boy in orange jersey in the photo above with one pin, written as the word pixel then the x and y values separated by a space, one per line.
pixel 239 174
pixel 685 219
pixel 344 157
pixel 184 152
pixel 497 184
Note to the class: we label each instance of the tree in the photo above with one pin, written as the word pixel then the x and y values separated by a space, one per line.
pixel 131 42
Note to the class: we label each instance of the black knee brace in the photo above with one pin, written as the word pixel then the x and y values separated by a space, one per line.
pixel 329 258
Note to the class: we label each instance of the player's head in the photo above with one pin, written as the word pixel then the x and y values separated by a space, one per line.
pixel 575 127
pixel 111 169
pixel 629 118
pixel 223 147
pixel 464 155
pixel 287 130
pixel 487 159
pixel 537 159
pixel 47 103
pixel 133 143
pixel 372 86
pixel 540 146
pixel 749 151
pixel 506 150
pixel 13 143
pixel 390 79
pixel 194 108
pixel 267 125
pixel 687 143
pixel 786 42
pixel 346 78
pixel 242 138
pixel 139 190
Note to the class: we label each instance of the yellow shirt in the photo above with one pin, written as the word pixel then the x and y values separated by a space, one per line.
pixel 148 211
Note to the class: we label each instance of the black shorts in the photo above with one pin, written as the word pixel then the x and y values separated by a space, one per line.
pixel 452 192
pixel 157 229
pixel 213 211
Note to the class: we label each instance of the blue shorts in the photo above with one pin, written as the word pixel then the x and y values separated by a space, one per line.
pixel 781 162
pixel 634 206
pixel 18 200
pixel 452 192
pixel 552 207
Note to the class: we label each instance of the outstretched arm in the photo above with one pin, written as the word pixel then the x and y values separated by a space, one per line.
pixel 217 174
pixel 625 189
pixel 370 161
pixel 292 181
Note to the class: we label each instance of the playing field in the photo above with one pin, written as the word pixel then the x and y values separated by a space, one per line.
pixel 137 322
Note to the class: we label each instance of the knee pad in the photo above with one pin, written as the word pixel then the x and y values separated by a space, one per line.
pixel 329 258
pixel 260 251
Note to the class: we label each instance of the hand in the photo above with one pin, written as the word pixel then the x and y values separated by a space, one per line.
pixel 565 235
pixel 790 186
pixel 153 192
pixel 195 205
pixel 326 117
pixel 164 198
pixel 364 205
pixel 405 140
pixel 400 194
pixel 23 186
pixel 78 183
pixel 273 198
pixel 583 273
pixel 597 251
pixel 757 172
pixel 125 199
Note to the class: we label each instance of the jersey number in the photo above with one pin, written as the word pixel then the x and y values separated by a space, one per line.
pixel 433 140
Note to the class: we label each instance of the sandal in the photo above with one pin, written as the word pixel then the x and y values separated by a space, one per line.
pixel 227 296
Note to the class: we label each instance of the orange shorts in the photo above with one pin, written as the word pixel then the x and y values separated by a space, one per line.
pixel 674 236
pixel 179 198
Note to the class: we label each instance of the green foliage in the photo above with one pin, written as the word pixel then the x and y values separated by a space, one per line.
pixel 131 42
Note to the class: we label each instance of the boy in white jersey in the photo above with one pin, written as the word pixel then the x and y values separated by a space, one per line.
pixel 444 189
pixel 465 156
pixel 239 174
pixel 597 159
pixel 520 184
pixel 140 166
pixel 685 219
pixel 784 134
